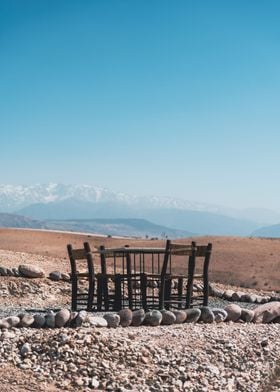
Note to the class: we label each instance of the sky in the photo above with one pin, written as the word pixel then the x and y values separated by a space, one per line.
pixel 171 98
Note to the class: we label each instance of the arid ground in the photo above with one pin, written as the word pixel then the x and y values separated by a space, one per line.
pixel 245 262
pixel 186 357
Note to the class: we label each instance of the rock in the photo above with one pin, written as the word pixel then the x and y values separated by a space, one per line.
pixel 265 299
pixel 81 318
pixel 10 272
pixel 217 292
pixel 247 315
pixel 228 294
pixel 39 321
pixel 246 298
pixel 15 272
pixel 220 314
pixel 97 321
pixel 153 318
pixel 193 315
pixel 180 316
pixel 94 383
pixel 26 320
pixel 276 320
pixel 31 271
pixel 61 318
pixel 207 316
pixel 233 311
pixel 252 298
pixel 267 312
pixel 3 271
pixel 125 317
pixel 72 319
pixel 259 299
pixel 12 321
pixel 113 319
pixel 50 320
pixel 55 275
pixel 138 317
pixel 168 318
pixel 4 324
pixel 25 349
pixel 65 277
pixel 237 296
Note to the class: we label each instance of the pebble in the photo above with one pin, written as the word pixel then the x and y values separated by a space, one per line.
pixel 31 271
pixel 113 319
pixel 247 315
pixel 153 318
pixel 180 315
pixel 39 321
pixel 233 311
pixel 55 275
pixel 207 316
pixel 62 317
pixel 50 320
pixel 168 318
pixel 26 320
pixel 125 317
pixel 97 321
pixel 193 315
pixel 220 315
pixel 138 317
pixel 25 349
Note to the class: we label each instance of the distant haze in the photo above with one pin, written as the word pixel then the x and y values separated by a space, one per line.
pixel 93 208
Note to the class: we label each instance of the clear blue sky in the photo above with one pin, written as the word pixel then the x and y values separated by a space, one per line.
pixel 177 98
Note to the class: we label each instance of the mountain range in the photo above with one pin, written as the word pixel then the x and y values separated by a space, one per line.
pixel 59 202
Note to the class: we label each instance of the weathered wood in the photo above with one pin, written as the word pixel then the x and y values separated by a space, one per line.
pixel 118 293
pixel 143 284
pixel 79 254
pixel 205 275
pixel 129 282
pixel 191 268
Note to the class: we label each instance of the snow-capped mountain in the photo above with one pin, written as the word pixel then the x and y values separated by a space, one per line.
pixel 15 197
pixel 60 202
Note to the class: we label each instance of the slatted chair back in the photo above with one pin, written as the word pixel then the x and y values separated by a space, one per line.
pixel 178 284
pixel 203 256
pixel 137 273
pixel 82 268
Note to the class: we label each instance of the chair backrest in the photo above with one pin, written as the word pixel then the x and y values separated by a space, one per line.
pixel 81 257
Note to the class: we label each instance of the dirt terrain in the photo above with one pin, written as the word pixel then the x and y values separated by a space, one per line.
pixel 245 262
pixel 187 357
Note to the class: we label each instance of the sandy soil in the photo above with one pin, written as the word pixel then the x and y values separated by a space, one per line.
pixel 247 262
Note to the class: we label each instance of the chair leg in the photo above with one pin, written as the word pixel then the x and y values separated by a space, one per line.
pixel 74 293
pixel 167 293
pixel 190 282
pixel 118 293
pixel 143 284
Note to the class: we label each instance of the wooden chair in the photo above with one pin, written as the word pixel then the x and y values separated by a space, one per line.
pixel 179 287
pixel 82 259
pixel 138 277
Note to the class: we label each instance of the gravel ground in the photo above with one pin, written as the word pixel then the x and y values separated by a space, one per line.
pixel 189 357
pixel 186 357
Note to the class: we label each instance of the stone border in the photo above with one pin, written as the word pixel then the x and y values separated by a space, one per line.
pixel 241 296
pixel 265 313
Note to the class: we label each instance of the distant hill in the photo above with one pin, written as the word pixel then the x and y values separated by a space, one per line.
pixel 12 220
pixel 268 232
pixel 200 222
pixel 117 227
pixel 60 202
